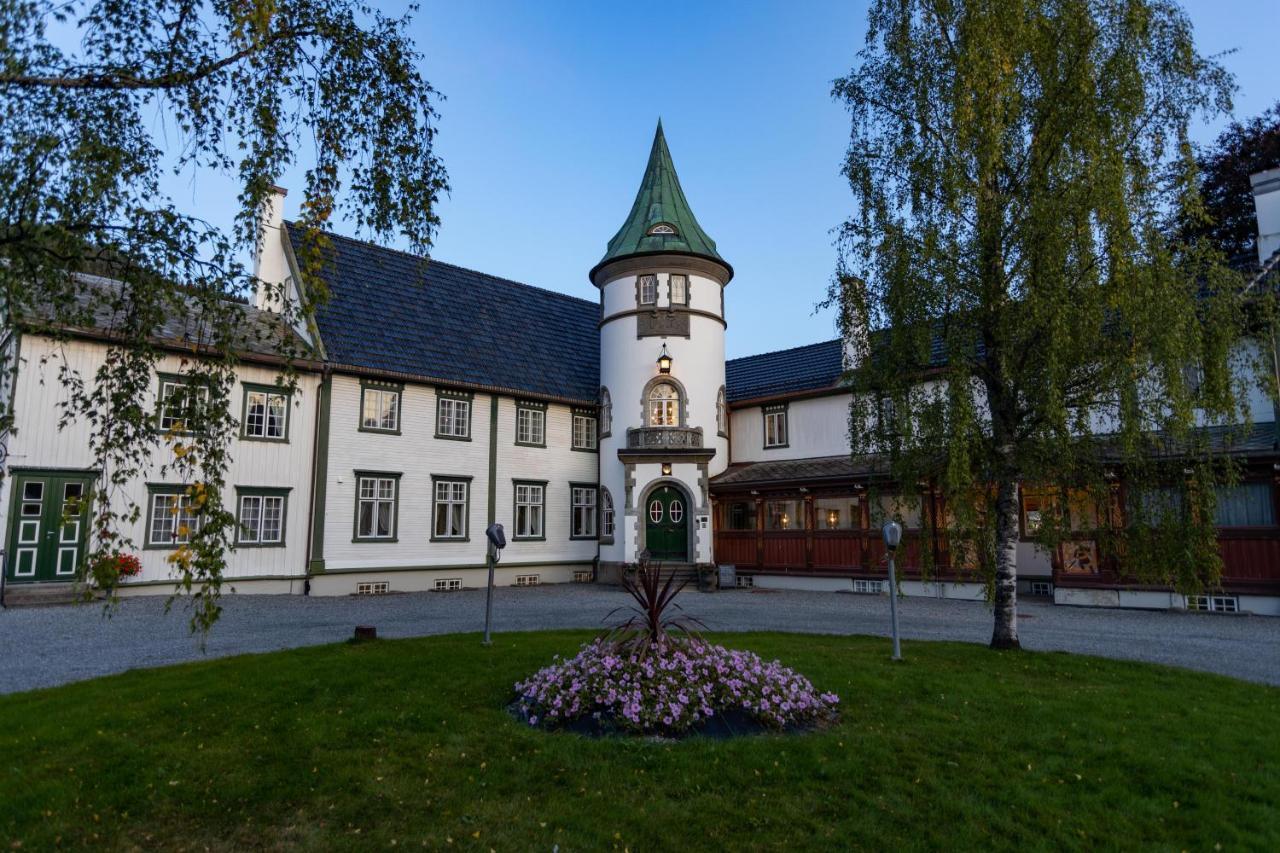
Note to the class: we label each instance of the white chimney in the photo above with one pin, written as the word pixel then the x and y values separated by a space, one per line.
pixel 1266 201
pixel 270 266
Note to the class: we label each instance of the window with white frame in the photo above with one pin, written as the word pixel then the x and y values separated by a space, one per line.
pixel 606 411
pixel 648 289
pixel 453 418
pixel 606 514
pixel 182 404
pixel 174 519
pixel 380 409
pixel 531 425
pixel 377 496
pixel 530 499
pixel 266 414
pixel 261 518
pixel 584 432
pixel 450 509
pixel 584 512
pixel 775 426
pixel 679 286
pixel 722 413
pixel 664 405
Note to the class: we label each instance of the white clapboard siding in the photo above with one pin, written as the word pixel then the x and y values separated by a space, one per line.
pixel 38 442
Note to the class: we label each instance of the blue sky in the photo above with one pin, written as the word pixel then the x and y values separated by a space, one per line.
pixel 551 108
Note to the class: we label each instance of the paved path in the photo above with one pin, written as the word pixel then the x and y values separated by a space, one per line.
pixel 41 647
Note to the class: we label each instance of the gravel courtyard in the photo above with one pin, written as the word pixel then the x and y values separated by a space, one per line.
pixel 43 647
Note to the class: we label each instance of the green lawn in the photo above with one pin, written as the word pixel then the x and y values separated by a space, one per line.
pixel 407 743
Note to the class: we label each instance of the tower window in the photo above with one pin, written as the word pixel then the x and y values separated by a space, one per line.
pixel 647 289
pixel 679 290
pixel 664 405
pixel 662 228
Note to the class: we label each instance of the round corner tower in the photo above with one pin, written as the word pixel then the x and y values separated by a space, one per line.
pixel 664 420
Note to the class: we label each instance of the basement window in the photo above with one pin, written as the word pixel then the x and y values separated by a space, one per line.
pixel 1041 588
pixel 866 587
pixel 373 588
pixel 582 576
pixel 448 584
pixel 1214 603
pixel 528 580
pixel 745 581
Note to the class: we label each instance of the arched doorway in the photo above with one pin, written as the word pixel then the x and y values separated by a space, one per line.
pixel 666 525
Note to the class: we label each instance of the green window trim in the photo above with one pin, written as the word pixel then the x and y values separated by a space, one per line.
pixel 466 397
pixel 395 511
pixel 243 492
pixel 466 507
pixel 515 511
pixel 397 388
pixel 185 380
pixel 595 522
pixel 154 490
pixel 773 411
pixel 531 406
pixel 576 412
pixel 260 388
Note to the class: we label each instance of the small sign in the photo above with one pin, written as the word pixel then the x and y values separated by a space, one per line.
pixel 728 576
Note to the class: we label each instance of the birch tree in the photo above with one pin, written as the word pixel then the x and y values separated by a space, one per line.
pixel 1017 166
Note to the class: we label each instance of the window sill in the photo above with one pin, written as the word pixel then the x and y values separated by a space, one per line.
pixel 264 440
pixel 450 539
pixel 369 540
pixel 776 446
pixel 363 428
pixel 519 443
pixel 595 449
pixel 591 537
pixel 259 545
pixel 528 538
pixel 444 437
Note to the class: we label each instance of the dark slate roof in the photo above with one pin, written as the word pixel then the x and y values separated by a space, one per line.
pixel 394 313
pixel 100 307
pixel 809 368
pixel 809 471
pixel 660 201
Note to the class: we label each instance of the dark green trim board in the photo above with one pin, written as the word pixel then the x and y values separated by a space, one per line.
pixel 252 387
pixel 395 511
pixel 320 480
pixel 466 507
pixel 267 492
pixel 492 514
pixel 377 385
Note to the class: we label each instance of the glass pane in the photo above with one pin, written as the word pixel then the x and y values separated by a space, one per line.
pixel 255 414
pixel 384 519
pixel 367 486
pixel 783 515
pixel 840 513
pixel 456 521
pixel 904 510
pixel 272 519
pixel 742 516
pixel 390 409
pixel 655 511
pixel 1245 505
pixel 386 488
pixel 33 490
pixel 250 518
pixel 275 416
pixel 366 518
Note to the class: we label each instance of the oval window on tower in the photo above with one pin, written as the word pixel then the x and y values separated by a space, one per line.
pixel 676 511
pixel 655 511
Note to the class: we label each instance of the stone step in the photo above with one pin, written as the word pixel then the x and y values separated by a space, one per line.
pixel 41 594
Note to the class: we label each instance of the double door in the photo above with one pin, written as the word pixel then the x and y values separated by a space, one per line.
pixel 48 526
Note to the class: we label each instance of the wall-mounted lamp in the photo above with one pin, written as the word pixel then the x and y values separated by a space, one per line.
pixel 833 518
pixel 666 469
pixel 664 360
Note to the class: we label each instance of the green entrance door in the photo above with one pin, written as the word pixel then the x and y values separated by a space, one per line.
pixel 48 522
pixel 666 533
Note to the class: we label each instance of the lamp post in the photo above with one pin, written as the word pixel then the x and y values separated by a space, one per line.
pixel 497 540
pixel 892 537
pixel 664 360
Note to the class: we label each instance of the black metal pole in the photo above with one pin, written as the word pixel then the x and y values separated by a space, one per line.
pixel 488 599
pixel 893 608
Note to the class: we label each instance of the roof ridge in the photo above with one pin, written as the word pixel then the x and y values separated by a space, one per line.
pixel 591 302
pixel 786 350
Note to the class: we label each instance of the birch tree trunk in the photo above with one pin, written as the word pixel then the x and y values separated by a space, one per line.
pixel 1005 635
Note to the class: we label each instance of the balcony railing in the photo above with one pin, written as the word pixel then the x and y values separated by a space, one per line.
pixel 664 438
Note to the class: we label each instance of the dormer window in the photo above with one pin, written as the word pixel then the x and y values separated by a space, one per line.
pixel 662 229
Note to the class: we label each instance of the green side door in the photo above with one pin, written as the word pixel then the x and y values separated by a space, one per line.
pixel 667 526
pixel 48 526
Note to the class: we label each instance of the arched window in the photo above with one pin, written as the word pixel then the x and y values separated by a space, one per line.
pixel 606 412
pixel 722 413
pixel 606 514
pixel 662 228
pixel 664 405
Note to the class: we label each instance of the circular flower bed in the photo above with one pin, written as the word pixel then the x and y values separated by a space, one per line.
pixel 672 688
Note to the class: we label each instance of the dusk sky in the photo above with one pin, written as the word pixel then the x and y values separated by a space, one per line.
pixel 551 109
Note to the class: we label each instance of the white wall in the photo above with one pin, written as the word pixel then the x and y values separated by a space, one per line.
pixel 416 454
pixel 37 442
pixel 817 426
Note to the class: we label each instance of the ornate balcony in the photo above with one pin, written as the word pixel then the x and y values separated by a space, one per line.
pixel 664 438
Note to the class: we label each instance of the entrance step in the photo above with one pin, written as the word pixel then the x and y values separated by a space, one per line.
pixel 681 571
pixel 41 594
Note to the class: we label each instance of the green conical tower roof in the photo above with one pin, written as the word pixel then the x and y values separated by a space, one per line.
pixel 661 221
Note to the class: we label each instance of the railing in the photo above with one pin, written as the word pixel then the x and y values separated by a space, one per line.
pixel 664 438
